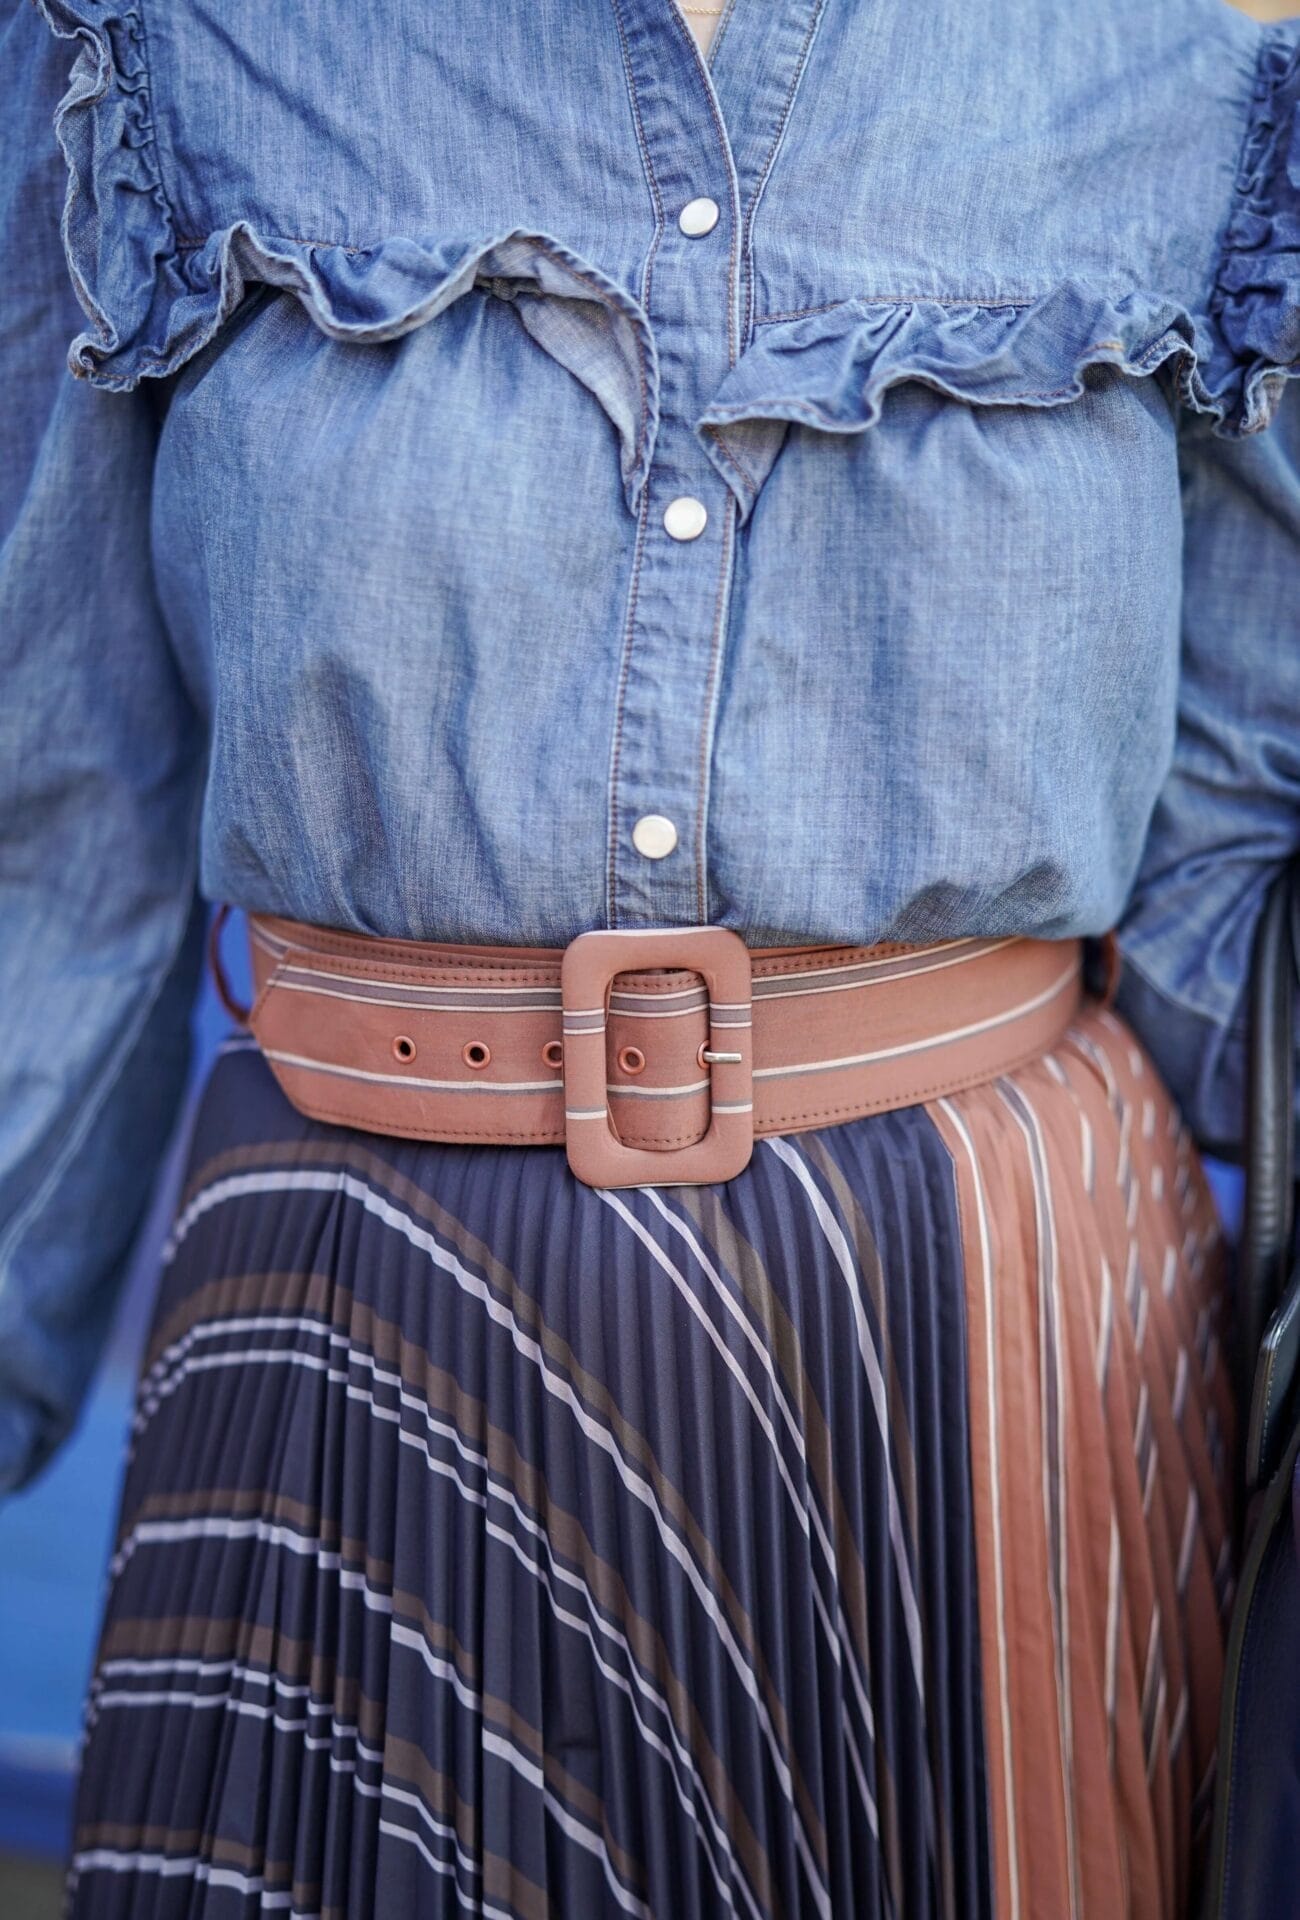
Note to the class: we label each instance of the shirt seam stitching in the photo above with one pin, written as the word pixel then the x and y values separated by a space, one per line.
pixel 751 210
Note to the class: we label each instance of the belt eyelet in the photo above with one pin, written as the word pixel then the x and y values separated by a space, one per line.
pixel 553 1053
pixel 631 1059
pixel 476 1053
pixel 403 1048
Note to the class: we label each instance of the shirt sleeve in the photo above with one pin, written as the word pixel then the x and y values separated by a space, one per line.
pixel 100 776
pixel 1228 817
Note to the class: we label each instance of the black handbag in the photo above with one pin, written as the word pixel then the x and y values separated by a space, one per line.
pixel 1254 1864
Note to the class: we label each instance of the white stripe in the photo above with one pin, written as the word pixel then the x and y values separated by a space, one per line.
pixel 1162 1701
pixel 1112 1637
pixel 409 1079
pixel 657 1093
pixel 173 1663
pixel 614 1200
pixel 677 993
pixel 673 1012
pixel 875 968
pixel 1188 1546
pixel 1150 1668
pixel 931 1040
pixel 583 1836
pixel 803 1509
pixel 1170 1272
pixel 844 1259
pixel 1106 1329
pixel 427 1003
pixel 178 1867
pixel 1026 1118
pixel 669 1153
pixel 485 985
pixel 1141 1419
pixel 993 1403
pixel 816 1527
pixel 488 1909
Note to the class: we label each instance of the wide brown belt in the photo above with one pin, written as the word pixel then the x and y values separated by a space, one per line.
pixel 654 1056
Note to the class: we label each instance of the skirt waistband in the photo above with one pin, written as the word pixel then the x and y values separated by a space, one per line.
pixel 655 1056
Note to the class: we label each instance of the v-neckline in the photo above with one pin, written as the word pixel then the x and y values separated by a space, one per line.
pixel 747 88
pixel 717 12
pixel 753 71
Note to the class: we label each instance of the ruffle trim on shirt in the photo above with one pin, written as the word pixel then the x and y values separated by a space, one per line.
pixel 1255 304
pixel 832 369
pixel 155 299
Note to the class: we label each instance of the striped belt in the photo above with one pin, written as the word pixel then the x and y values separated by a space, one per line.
pixel 654 1056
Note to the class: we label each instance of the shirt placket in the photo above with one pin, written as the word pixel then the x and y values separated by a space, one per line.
pixel 679 592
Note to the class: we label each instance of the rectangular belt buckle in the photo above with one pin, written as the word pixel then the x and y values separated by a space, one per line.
pixel 590 963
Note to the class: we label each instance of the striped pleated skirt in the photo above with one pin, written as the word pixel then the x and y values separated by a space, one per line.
pixel 845 1540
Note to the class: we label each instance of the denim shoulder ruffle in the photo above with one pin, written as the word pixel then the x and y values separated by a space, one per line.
pixel 1229 360
pixel 1255 304
pixel 154 298
pixel 832 369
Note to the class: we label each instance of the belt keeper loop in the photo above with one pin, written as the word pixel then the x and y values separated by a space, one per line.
pixel 215 968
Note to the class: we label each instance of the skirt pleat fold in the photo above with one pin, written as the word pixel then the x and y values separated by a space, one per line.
pixel 845 1540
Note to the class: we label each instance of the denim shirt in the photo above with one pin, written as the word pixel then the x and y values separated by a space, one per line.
pixel 351 579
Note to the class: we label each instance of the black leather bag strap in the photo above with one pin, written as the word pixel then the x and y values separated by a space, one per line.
pixel 1268 1303
pixel 1256 1755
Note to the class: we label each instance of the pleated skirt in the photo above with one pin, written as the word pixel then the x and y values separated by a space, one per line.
pixel 849 1539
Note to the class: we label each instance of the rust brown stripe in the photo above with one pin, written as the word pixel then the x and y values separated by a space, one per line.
pixel 243 1502
pixel 176 1842
pixel 294 1291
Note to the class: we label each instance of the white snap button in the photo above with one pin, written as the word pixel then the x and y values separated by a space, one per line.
pixel 685 517
pixel 654 836
pixel 698 217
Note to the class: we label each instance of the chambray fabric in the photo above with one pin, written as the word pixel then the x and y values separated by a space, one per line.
pixel 338 584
